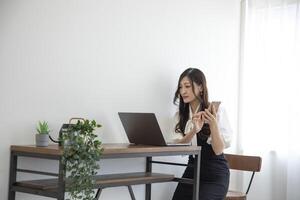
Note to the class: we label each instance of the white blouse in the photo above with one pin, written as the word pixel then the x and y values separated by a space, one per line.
pixel 223 124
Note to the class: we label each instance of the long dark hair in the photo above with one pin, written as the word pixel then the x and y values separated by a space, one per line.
pixel 195 76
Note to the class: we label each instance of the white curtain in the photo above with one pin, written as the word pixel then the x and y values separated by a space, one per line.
pixel 269 123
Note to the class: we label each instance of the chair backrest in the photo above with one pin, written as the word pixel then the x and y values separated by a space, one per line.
pixel 244 163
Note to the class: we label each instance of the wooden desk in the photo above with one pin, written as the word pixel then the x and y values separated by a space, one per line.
pixel 114 151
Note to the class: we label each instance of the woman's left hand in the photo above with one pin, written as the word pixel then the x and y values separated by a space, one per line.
pixel 210 117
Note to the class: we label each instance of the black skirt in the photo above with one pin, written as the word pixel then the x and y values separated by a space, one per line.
pixel 214 173
pixel 214 181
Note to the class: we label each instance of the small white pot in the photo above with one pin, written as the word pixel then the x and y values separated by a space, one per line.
pixel 41 140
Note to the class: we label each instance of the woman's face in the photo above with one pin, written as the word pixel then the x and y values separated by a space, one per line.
pixel 186 90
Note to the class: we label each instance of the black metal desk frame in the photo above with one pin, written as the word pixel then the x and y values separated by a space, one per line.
pixel 109 154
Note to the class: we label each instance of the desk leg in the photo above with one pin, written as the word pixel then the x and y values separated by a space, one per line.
pixel 148 169
pixel 61 181
pixel 196 177
pixel 12 175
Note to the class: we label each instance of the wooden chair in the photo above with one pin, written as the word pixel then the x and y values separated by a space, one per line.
pixel 242 163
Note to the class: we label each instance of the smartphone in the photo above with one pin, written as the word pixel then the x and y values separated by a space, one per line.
pixel 216 105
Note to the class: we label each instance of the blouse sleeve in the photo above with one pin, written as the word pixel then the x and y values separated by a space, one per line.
pixel 224 126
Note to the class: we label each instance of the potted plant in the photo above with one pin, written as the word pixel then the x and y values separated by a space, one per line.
pixel 42 137
pixel 81 153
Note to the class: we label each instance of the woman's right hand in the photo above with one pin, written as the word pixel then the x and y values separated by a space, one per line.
pixel 198 122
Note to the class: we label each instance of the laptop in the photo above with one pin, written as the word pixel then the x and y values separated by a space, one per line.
pixel 143 128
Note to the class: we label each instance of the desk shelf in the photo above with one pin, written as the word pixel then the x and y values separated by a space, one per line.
pixel 49 187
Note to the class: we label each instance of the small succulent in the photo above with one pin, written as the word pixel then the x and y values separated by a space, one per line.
pixel 43 127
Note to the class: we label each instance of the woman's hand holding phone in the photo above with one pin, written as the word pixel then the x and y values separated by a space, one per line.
pixel 209 115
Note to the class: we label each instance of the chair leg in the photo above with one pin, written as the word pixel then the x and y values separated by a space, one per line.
pixel 98 194
pixel 131 192
pixel 129 189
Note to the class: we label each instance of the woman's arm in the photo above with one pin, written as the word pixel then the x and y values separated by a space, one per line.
pixel 187 138
pixel 198 121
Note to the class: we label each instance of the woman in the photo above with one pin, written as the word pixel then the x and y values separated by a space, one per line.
pixel 200 123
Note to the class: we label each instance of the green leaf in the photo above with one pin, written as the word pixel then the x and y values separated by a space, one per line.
pixel 42 127
pixel 80 158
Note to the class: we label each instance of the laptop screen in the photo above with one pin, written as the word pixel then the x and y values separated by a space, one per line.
pixel 142 128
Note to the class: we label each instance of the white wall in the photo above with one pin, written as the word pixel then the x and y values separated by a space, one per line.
pixel 60 59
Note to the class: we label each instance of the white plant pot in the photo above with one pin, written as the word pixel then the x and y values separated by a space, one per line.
pixel 42 140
